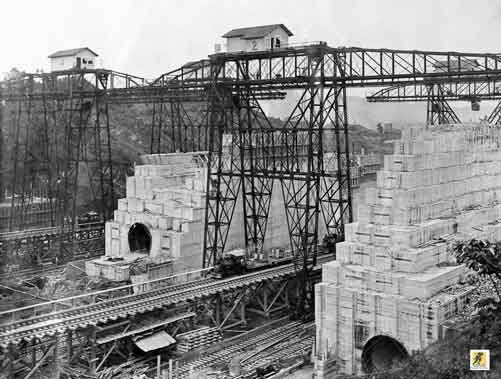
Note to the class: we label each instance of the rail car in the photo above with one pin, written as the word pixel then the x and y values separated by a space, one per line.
pixel 235 263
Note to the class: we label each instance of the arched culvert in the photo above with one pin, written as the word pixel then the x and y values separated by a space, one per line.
pixel 380 353
pixel 139 238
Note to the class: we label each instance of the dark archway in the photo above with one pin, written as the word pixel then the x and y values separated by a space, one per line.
pixel 139 238
pixel 380 353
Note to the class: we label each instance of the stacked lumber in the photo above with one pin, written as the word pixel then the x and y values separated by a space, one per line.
pixel 197 338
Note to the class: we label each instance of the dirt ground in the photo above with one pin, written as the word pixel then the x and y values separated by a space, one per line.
pixel 303 373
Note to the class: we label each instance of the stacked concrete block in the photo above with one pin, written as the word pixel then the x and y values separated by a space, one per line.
pixel 394 270
pixel 167 196
pixel 277 235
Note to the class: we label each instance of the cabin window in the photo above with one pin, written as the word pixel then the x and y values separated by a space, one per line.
pixel 89 62
pixel 277 42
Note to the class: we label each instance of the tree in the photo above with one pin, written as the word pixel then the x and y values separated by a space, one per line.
pixel 448 358
pixel 484 257
pixel 13 74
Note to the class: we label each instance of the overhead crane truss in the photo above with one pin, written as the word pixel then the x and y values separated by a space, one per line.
pixel 247 152
pixel 474 91
pixel 230 86
pixel 323 74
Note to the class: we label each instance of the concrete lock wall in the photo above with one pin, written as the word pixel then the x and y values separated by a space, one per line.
pixel 167 195
pixel 394 273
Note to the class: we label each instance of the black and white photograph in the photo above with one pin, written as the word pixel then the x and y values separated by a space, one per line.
pixel 250 189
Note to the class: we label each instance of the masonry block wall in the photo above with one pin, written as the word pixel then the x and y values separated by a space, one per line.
pixel 167 194
pixel 394 271
pixel 277 233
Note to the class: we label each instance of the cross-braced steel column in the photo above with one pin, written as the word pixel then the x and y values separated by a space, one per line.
pixel 302 139
pixel 58 142
pixel 99 160
pixel 88 153
pixel 336 183
pixel 25 154
pixel 255 139
pixel 157 121
pixel 495 116
pixel 438 109
pixel 179 125
pixel 257 184
pixel 223 178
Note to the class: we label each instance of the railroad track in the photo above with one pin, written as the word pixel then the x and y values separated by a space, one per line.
pixel 284 341
pixel 293 348
pixel 285 338
pixel 88 315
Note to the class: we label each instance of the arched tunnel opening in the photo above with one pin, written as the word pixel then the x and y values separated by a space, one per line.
pixel 139 238
pixel 381 353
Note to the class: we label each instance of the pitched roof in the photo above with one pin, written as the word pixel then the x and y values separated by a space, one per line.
pixel 255 31
pixel 70 52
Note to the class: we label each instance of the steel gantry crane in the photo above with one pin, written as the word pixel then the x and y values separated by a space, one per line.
pixel 247 153
pixel 59 124
pixel 323 74
pixel 438 94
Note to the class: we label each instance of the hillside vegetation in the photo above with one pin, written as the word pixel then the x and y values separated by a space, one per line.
pixel 479 327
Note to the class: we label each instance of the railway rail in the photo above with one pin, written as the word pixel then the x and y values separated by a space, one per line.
pixel 101 312
pixel 295 346
pixel 287 340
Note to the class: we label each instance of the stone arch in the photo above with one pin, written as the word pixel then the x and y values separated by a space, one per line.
pixel 139 238
pixel 381 352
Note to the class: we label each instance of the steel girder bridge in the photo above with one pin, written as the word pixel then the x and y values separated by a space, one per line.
pixel 247 151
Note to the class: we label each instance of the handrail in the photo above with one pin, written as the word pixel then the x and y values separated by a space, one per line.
pixel 283 46
pixel 71 299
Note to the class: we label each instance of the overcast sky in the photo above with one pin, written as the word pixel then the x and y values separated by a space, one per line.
pixel 148 38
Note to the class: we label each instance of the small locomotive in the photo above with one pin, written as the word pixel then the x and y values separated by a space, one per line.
pixel 237 262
